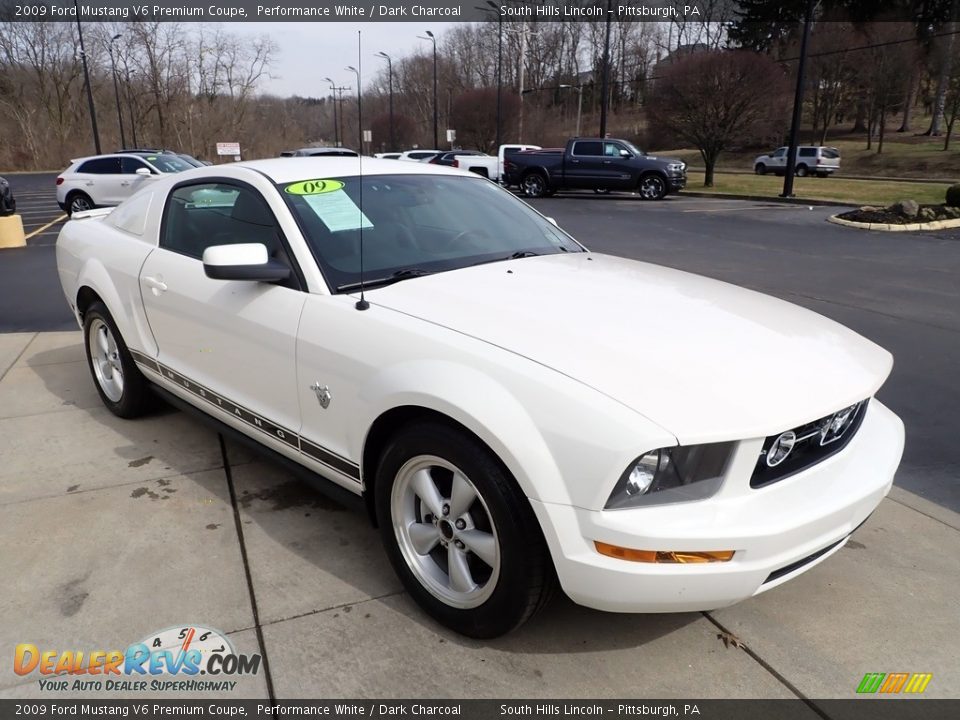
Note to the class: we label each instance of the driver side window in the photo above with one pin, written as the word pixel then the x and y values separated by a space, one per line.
pixel 206 214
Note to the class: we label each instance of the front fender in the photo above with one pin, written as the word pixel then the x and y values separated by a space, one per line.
pixel 482 405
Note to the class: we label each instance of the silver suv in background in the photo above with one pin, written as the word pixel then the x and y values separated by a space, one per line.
pixel 810 160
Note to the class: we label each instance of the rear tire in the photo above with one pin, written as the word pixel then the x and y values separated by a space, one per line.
pixel 121 386
pixel 459 533
pixel 534 185
pixel 801 171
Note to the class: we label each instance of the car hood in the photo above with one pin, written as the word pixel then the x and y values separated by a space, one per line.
pixel 705 360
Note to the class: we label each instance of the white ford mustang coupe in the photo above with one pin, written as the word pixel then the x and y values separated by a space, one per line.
pixel 513 410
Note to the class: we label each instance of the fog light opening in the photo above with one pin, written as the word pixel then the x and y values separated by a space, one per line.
pixel 668 557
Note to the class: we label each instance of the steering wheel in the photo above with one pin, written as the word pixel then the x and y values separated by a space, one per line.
pixel 460 236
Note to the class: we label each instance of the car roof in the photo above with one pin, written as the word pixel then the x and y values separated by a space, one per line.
pixel 285 170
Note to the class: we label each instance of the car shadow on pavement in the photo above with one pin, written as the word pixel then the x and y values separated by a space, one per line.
pixel 306 554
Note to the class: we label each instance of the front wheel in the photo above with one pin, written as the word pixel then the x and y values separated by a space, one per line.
pixel 534 185
pixel 652 187
pixel 459 533
pixel 760 169
pixel 119 383
pixel 79 202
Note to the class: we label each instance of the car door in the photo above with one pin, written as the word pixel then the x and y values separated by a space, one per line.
pixel 582 168
pixel 230 345
pixel 98 178
pixel 615 169
pixel 131 181
pixel 778 160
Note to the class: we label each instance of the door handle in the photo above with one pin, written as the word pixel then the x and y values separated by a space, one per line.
pixel 156 284
pixel 606 162
pixel 89 183
pixel 575 161
pixel 125 183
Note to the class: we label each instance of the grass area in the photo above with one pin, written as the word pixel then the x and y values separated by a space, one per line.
pixel 860 192
pixel 903 156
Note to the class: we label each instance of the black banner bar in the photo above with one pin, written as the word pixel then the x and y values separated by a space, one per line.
pixel 864 708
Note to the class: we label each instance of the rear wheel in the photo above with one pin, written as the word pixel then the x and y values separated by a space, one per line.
pixel 760 169
pixel 534 185
pixel 652 187
pixel 121 386
pixel 459 533
pixel 801 171
pixel 78 202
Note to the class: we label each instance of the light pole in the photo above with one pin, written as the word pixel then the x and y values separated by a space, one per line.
pixel 86 77
pixel 496 9
pixel 336 129
pixel 356 72
pixel 390 76
pixel 797 106
pixel 606 74
pixel 436 136
pixel 579 89
pixel 116 89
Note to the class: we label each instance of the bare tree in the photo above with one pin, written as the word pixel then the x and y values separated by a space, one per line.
pixel 715 99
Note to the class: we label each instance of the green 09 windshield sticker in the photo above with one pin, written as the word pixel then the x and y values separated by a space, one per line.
pixel 314 187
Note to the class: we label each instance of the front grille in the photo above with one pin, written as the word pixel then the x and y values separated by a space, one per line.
pixel 808 444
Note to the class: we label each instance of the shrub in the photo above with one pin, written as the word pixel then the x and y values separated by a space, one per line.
pixel 953 195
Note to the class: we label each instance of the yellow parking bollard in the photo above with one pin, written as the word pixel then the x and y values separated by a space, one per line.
pixel 11 232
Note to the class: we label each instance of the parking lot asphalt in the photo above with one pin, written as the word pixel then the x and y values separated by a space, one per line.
pixel 120 528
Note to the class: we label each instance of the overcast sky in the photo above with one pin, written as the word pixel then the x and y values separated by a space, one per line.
pixel 310 51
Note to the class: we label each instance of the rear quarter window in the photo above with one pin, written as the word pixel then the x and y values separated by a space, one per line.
pixel 101 166
pixel 831 153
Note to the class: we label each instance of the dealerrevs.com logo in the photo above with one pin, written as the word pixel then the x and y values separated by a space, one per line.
pixel 894 683
pixel 168 660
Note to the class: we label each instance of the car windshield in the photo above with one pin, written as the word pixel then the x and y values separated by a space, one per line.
pixel 169 163
pixel 415 225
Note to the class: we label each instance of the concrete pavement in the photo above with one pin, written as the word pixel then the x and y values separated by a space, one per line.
pixel 113 529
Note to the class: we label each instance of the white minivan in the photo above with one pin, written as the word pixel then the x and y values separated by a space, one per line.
pixel 816 160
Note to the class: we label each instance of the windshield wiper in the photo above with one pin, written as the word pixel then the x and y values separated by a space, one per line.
pixel 515 256
pixel 399 275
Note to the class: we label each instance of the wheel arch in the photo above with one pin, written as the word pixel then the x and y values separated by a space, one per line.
pixel 472 402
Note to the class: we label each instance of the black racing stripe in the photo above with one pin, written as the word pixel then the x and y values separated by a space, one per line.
pixel 308 448
pixel 328 458
pixel 142 359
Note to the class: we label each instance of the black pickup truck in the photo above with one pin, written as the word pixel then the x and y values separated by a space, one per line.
pixel 595 164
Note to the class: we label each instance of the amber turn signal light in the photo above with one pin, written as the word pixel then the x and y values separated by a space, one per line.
pixel 663 556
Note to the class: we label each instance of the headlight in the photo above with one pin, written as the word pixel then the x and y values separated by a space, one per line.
pixel 676 167
pixel 670 475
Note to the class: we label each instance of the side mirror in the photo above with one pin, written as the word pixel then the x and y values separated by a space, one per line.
pixel 625 153
pixel 144 172
pixel 245 261
pixel 552 222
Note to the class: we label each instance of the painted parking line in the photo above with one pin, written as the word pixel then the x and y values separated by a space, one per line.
pixel 744 208
pixel 49 224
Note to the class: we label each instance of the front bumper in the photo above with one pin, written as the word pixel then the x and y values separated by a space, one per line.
pixel 677 182
pixel 806 517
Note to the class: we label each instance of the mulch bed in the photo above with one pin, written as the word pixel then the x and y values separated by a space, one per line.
pixel 889 215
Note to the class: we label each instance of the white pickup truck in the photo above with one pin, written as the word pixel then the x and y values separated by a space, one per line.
pixel 490 166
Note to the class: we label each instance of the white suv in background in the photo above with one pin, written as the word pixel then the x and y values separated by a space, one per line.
pixel 811 160
pixel 110 179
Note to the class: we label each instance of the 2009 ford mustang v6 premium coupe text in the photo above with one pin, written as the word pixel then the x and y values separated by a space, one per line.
pixel 514 410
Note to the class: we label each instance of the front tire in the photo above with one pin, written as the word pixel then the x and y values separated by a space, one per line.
pixel 760 169
pixel 534 185
pixel 652 187
pixel 121 386
pixel 459 533
pixel 78 202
